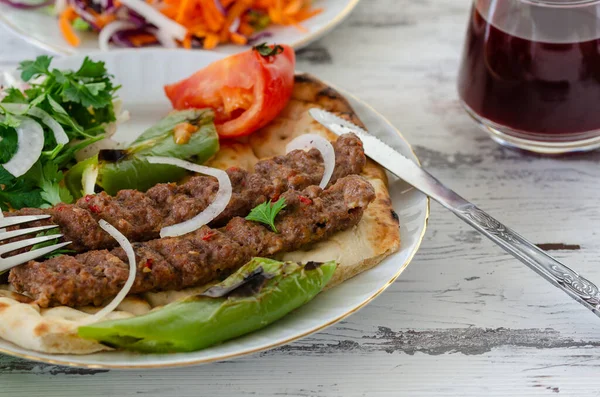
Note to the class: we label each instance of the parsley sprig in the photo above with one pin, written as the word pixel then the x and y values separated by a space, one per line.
pixel 81 101
pixel 267 51
pixel 54 253
pixel 267 212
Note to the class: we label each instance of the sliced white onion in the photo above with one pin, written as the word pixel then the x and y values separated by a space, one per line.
pixel 30 137
pixel 235 25
pixel 59 6
pixel 2 217
pixel 126 245
pixel 156 18
pixel 310 141
pixel 213 210
pixel 164 38
pixel 59 133
pixel 88 180
pixel 109 30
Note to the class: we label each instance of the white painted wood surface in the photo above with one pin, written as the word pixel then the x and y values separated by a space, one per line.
pixel 464 318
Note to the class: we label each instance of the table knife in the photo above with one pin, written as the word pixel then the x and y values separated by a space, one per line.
pixel 561 276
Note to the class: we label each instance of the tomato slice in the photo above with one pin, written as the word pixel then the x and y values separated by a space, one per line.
pixel 246 90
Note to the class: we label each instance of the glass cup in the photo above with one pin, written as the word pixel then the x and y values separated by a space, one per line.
pixel 530 73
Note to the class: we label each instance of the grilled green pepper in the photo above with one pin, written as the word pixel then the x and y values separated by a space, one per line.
pixel 76 179
pixel 259 293
pixel 128 169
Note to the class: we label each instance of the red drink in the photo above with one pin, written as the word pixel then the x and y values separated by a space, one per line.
pixel 538 94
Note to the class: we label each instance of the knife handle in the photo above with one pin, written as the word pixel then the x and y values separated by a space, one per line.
pixel 578 287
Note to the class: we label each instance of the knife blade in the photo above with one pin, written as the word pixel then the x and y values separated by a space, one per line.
pixel 391 159
pixel 577 287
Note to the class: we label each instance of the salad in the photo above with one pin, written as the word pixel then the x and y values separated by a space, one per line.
pixel 44 123
pixel 173 23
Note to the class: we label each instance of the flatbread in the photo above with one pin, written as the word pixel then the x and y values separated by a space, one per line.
pixel 376 236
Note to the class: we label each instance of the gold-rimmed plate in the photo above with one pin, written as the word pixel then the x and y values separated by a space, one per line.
pixel 143 96
pixel 41 29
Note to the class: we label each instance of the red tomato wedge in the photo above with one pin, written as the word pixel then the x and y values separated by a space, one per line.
pixel 246 90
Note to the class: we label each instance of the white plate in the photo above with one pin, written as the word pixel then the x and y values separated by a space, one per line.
pixel 42 30
pixel 143 96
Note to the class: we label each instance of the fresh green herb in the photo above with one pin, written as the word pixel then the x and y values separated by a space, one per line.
pixel 52 192
pixel 80 24
pixel 267 212
pixel 49 243
pixel 10 120
pixel 86 94
pixel 13 95
pixel 39 66
pixel 80 101
pixel 18 192
pixel 8 143
pixel 267 51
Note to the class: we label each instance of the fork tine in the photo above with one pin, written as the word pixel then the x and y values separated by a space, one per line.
pixel 17 220
pixel 21 232
pixel 26 243
pixel 9 263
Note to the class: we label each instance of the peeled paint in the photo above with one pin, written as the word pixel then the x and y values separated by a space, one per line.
pixel 261 292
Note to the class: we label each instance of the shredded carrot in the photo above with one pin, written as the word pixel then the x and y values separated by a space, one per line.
pixel 211 41
pixel 66 28
pixel 293 7
pixel 234 13
pixel 237 38
pixel 213 17
pixel 187 42
pixel 303 15
pixel 204 19
pixel 211 21
pixel 198 30
pixel 245 29
pixel 104 19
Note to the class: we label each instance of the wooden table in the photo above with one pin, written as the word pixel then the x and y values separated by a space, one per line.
pixel 464 318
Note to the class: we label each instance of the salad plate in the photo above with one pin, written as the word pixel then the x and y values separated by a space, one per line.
pixel 41 28
pixel 142 95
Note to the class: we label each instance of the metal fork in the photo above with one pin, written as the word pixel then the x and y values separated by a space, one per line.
pixel 9 262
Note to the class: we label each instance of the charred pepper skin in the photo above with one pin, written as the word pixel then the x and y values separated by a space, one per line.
pixel 258 294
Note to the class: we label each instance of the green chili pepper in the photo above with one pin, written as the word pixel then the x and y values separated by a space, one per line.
pixel 74 179
pixel 258 294
pixel 128 169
